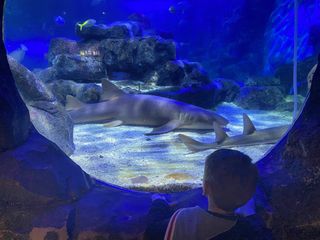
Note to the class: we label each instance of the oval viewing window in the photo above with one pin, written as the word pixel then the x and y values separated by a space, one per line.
pixel 153 88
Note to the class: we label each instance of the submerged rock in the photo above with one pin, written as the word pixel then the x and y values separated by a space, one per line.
pixel 195 73
pixel 202 95
pixel 262 81
pixel 288 104
pixel 61 46
pixel 117 30
pixel 78 68
pixel 206 95
pixel 137 56
pixel 46 75
pixel 260 98
pixel 39 173
pixel 284 73
pixel 85 92
pixel 178 73
pixel 47 115
pixel 228 89
pixel 169 74
pixel 14 118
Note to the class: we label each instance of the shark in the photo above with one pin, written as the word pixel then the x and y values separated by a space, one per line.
pixel 163 114
pixel 250 137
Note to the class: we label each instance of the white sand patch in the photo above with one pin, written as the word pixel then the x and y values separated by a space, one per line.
pixel 117 155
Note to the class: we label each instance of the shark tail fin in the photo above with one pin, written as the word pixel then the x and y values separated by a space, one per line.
pixel 220 133
pixel 73 103
pixel 110 90
pixel 193 145
pixel 248 126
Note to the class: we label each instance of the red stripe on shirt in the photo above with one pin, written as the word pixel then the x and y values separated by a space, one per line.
pixel 171 226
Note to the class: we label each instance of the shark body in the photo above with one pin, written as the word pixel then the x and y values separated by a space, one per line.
pixel 120 108
pixel 250 137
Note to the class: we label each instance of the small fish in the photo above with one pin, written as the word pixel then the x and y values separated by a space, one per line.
pixel 180 7
pixel 172 9
pixel 60 21
pixel 19 53
pixel 88 23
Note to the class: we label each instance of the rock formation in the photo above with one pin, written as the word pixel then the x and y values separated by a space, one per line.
pixel 47 115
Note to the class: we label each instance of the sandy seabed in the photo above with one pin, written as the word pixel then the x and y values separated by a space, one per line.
pixel 126 157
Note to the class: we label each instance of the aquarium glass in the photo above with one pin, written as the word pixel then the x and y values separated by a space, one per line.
pixel 139 92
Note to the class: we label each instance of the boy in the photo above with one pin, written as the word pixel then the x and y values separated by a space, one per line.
pixel 229 182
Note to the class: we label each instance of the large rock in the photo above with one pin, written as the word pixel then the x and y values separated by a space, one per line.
pixel 39 173
pixel 228 89
pixel 62 46
pixel 46 75
pixel 284 73
pixel 202 95
pixel 262 81
pixel 260 98
pixel 46 114
pixel 117 30
pixel 14 117
pixel 78 68
pixel 195 73
pixel 85 92
pixel 177 73
pixel 169 74
pixel 136 56
pixel 290 177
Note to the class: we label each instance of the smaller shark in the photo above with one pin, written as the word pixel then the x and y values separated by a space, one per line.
pixel 250 137
pixel 120 108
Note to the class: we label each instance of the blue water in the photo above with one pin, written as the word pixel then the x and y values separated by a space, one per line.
pixel 253 35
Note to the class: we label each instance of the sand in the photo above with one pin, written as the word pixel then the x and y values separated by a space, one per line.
pixel 126 157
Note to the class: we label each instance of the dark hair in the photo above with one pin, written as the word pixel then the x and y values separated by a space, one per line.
pixel 232 177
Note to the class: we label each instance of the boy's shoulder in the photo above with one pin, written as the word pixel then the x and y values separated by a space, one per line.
pixel 190 212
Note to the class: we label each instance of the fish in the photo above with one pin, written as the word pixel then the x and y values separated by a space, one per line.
pixel 60 21
pixel 87 23
pixel 179 8
pixel 163 114
pixel 19 53
pixel 172 9
pixel 249 137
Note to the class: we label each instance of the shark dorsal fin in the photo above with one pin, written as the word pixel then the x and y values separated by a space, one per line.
pixel 73 103
pixel 220 133
pixel 110 90
pixel 248 127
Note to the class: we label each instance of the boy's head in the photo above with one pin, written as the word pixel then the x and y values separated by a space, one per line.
pixel 230 179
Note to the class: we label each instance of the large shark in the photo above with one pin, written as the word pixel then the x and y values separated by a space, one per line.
pixel 120 108
pixel 250 137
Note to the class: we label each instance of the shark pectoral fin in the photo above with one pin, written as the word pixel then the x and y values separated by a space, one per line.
pixel 115 123
pixel 220 133
pixel 168 127
pixel 73 103
pixel 110 90
pixel 248 127
pixel 193 145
